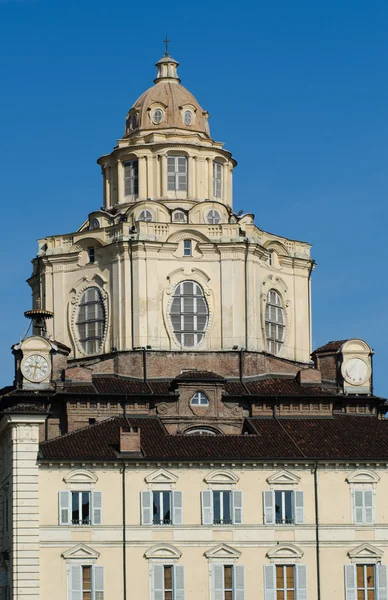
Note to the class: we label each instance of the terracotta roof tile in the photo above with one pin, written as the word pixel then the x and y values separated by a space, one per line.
pixel 332 346
pixel 275 386
pixel 339 437
pixel 199 376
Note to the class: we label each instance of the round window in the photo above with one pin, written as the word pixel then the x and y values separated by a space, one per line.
pixel 95 224
pixel 157 116
pixel 188 117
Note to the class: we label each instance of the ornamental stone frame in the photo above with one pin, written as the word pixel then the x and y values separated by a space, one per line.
pixel 273 282
pixel 76 294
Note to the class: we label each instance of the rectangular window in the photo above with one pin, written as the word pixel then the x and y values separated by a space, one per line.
pixel 228 582
pixel 222 507
pixel 91 254
pixel 177 173
pixel 167 582
pixel 86 582
pixel 363 507
pixel 131 178
pixel 80 508
pixel 161 508
pixel 186 247
pixel 217 180
pixel 366 587
pixel 283 508
pixel 285 582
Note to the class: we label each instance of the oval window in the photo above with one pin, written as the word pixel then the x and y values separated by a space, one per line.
pixel 157 116
pixel 213 217
pixel 200 399
pixel 91 321
pixel 274 322
pixel 189 313
pixel 145 215
pixel 94 224
pixel 188 117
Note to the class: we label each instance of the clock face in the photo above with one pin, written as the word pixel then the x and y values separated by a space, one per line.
pixel 36 368
pixel 355 371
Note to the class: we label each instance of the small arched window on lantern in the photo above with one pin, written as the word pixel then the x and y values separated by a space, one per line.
pixel 274 322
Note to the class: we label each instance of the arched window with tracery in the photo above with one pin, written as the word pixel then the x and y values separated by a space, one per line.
pixel 274 322
pixel 91 321
pixel 189 313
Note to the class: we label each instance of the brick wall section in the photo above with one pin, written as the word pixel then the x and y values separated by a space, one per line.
pixel 328 366
pixel 80 410
pixel 306 376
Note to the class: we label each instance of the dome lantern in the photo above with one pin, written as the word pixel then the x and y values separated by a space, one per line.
pixel 167 69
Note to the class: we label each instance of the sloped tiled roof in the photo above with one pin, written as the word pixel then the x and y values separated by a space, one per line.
pixel 274 386
pixel 332 346
pixel 340 437
pixel 199 376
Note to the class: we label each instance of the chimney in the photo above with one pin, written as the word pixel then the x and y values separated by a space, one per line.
pixel 130 439
pixel 309 377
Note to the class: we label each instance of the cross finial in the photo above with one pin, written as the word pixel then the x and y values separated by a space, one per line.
pixel 166 41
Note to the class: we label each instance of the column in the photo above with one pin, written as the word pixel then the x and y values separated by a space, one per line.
pixel 210 178
pixel 24 506
pixel 107 176
pixel 225 182
pixel 120 182
pixel 151 166
pixel 163 175
pixel 190 177
pixel 142 178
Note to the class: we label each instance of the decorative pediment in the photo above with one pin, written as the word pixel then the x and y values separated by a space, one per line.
pixel 161 476
pixel 163 551
pixel 363 476
pixel 366 553
pixel 80 476
pixel 284 478
pixel 81 552
pixel 223 551
pixel 287 553
pixel 221 477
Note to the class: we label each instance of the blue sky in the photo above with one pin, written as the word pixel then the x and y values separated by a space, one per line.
pixel 297 90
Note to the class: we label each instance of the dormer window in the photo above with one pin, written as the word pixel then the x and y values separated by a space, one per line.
pixel 131 178
pixel 200 399
pixel 188 118
pixel 145 215
pixel 157 116
pixel 213 217
pixel 179 217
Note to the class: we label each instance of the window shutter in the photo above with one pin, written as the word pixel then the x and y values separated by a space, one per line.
pixel 358 506
pixel 298 507
pixel 207 507
pixel 269 582
pixel 269 507
pixel 301 582
pixel 177 508
pixel 218 582
pixel 238 583
pixel 75 586
pixel 350 582
pixel 98 582
pixel 179 585
pixel 237 499
pixel 368 506
pixel 96 508
pixel 64 508
pixel 146 508
pixel 382 582
pixel 158 582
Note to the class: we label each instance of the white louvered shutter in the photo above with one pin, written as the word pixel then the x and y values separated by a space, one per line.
pixel 358 506
pixel 350 582
pixel 75 583
pixel 98 583
pixel 298 507
pixel 64 508
pixel 218 582
pixel 382 582
pixel 238 583
pixel 269 507
pixel 158 582
pixel 177 508
pixel 269 582
pixel 301 582
pixel 179 583
pixel 369 507
pixel 237 504
pixel 207 507
pixel 96 508
pixel 146 508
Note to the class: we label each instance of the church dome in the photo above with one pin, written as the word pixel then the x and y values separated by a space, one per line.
pixel 166 105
